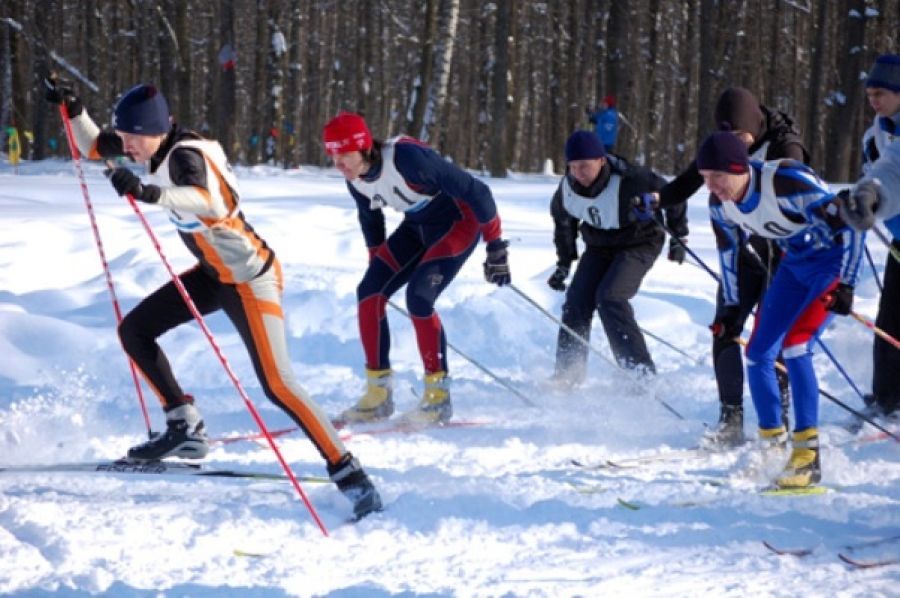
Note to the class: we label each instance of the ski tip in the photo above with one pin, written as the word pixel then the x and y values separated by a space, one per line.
pixel 253 555
pixel 805 491
pixel 798 552
pixel 631 506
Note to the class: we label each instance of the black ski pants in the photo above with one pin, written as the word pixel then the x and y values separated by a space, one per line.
pixel 753 279
pixel 886 357
pixel 606 279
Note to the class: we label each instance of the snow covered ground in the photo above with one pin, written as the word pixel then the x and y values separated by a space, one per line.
pixel 492 509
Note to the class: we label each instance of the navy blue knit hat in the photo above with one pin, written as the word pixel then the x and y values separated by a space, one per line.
pixel 885 73
pixel 584 145
pixel 723 151
pixel 143 111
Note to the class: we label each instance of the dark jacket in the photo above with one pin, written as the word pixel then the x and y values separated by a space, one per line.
pixel 782 137
pixel 630 232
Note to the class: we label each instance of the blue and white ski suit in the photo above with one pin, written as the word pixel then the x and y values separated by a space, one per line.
pixel 787 202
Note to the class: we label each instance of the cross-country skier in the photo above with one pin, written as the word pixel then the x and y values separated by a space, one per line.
pixel 238 272
pixel 782 200
pixel 595 197
pixel 606 122
pixel 883 92
pixel 445 213
pixel 768 135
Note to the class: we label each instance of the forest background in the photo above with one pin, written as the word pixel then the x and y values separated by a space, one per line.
pixel 495 86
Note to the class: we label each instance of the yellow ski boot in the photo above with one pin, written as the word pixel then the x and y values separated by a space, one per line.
pixel 377 404
pixel 773 438
pixel 435 406
pixel 803 468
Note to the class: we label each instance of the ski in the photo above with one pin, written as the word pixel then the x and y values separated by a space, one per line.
pixel 399 426
pixel 859 564
pixel 125 466
pixel 798 552
pixel 764 492
pixel 806 491
pixel 348 431
pixel 871 543
pixel 632 462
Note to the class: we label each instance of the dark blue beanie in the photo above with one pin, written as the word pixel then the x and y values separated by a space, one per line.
pixel 885 73
pixel 584 145
pixel 143 111
pixel 723 151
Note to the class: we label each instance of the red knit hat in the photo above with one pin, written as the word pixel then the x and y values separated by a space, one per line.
pixel 346 132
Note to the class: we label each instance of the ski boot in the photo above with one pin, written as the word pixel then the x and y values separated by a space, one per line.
pixel 353 483
pixel 185 437
pixel 773 439
pixel 377 403
pixel 729 432
pixel 803 468
pixel 435 406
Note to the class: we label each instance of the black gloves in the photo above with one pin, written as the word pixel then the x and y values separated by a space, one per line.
pixel 557 280
pixel 126 182
pixel 677 251
pixel 857 206
pixel 496 266
pixel 728 323
pixel 645 206
pixel 840 300
pixel 60 92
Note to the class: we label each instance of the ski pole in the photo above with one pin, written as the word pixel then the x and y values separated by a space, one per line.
pixel 874 270
pixel 895 253
pixel 234 379
pixel 834 399
pixel 878 331
pixel 675 348
pixel 690 252
pixel 591 347
pixel 76 159
pixel 491 374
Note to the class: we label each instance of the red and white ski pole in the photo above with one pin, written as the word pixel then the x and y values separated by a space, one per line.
pixel 875 329
pixel 234 379
pixel 76 158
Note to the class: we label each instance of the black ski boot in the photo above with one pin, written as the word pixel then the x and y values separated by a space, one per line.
pixel 729 432
pixel 353 482
pixel 185 436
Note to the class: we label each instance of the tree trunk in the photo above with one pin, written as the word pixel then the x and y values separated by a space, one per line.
pixel 426 67
pixel 838 152
pixel 498 159
pixel 443 59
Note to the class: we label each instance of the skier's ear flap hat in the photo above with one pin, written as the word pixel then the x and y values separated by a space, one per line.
pixel 346 132
pixel 142 111
pixel 724 152
pixel 738 110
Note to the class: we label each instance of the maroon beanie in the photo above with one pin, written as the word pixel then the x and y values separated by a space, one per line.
pixel 738 110
pixel 723 151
